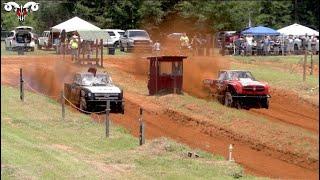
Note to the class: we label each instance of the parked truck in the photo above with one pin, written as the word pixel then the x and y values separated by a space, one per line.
pixel 135 39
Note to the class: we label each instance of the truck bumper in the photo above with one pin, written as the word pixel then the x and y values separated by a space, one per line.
pixel 115 105
pixel 252 96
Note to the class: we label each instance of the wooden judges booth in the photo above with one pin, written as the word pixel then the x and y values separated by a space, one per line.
pixel 165 74
pixel 91 47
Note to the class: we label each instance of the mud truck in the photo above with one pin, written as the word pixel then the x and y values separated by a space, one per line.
pixel 90 92
pixel 239 89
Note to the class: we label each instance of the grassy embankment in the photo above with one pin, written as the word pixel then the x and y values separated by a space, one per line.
pixel 36 143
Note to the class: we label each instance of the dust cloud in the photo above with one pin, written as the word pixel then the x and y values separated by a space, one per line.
pixel 50 79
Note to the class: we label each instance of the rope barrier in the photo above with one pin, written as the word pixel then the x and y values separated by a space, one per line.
pixel 74 106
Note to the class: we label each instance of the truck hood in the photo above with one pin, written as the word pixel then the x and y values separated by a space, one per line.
pixel 103 89
pixel 250 82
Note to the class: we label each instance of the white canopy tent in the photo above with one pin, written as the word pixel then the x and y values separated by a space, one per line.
pixel 297 30
pixel 74 24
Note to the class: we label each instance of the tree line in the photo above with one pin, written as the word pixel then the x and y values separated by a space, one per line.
pixel 171 15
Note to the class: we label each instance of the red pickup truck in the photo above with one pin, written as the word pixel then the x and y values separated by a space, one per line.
pixel 238 88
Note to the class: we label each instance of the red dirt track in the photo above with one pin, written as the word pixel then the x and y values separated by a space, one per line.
pixel 45 74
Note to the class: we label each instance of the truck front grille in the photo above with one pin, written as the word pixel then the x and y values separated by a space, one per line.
pixel 141 42
pixel 253 88
pixel 103 96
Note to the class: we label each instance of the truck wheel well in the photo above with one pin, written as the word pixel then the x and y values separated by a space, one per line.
pixel 231 89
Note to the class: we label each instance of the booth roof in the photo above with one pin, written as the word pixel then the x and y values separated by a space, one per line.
pixel 74 24
pixel 260 30
pixel 297 30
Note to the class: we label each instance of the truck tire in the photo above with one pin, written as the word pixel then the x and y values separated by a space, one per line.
pixel 265 103
pixel 228 100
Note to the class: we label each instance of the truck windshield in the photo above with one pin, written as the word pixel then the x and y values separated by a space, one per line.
pixel 237 75
pixel 98 80
pixel 138 33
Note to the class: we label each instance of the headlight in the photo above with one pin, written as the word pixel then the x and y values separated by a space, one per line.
pixel 121 94
pixel 89 94
pixel 131 40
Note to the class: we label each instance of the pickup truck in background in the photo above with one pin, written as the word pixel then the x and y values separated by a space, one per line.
pixel 48 40
pixel 135 39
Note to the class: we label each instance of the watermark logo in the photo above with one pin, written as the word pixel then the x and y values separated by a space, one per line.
pixel 21 11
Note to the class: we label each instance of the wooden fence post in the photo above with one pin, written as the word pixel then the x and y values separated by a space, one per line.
pixel 311 64
pixel 101 44
pixel 141 136
pixel 63 112
pixel 304 64
pixel 107 119
pixel 21 86
pixel 97 48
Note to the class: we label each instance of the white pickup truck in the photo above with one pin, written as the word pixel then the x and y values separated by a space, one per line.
pixel 135 38
pixel 48 40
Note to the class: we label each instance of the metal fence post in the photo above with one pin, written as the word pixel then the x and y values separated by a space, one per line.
pixel 21 86
pixel 101 45
pixel 107 119
pixel 63 112
pixel 141 136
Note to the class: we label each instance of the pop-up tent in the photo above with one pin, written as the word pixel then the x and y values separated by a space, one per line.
pixel 260 31
pixel 297 30
pixel 74 24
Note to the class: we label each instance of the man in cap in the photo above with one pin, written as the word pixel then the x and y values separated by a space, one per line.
pixel 74 47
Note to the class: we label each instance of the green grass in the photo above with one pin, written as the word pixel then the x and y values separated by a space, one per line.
pixel 42 52
pixel 285 60
pixel 37 144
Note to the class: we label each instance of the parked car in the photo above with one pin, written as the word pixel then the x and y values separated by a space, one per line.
pixel 115 35
pixel 135 38
pixel 4 34
pixel 48 40
pixel 238 88
pixel 22 37
pixel 90 91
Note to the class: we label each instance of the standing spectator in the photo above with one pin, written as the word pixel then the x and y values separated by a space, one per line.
pixel 74 48
pixel 195 42
pixel 184 42
pixel 290 45
pixel 266 45
pixel 249 42
pixel 62 45
pixel 156 48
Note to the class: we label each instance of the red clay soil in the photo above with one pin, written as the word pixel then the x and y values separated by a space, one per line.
pixel 285 106
pixel 158 123
pixel 256 162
